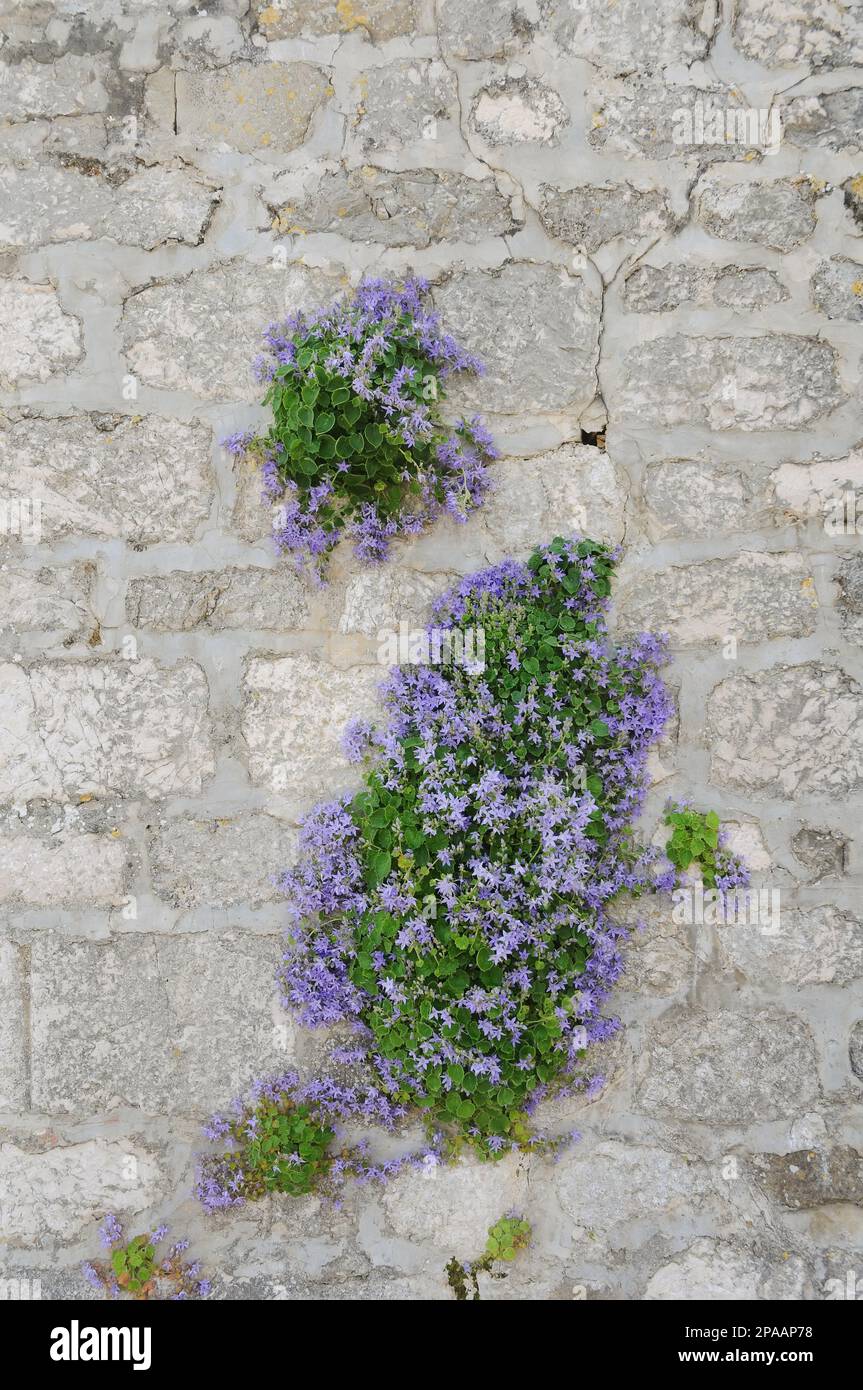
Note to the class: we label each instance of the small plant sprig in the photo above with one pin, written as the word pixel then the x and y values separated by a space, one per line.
pixel 134 1268
pixel 506 1238
pixel 697 839
pixel 358 446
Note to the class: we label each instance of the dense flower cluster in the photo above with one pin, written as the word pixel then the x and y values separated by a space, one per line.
pixel 135 1268
pixel 455 910
pixel 358 447
pixel 281 1137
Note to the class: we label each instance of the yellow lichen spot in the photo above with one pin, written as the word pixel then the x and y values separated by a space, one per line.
pixel 597 120
pixel 269 16
pixel 266 138
pixel 115 833
pixel 88 796
pixel 856 186
pixel 750 155
pixel 808 588
pixel 857 287
pixel 348 16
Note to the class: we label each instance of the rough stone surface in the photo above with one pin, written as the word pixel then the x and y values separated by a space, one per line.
pixel 718 1271
pixel 728 1067
pixel 837 289
pixel 66 871
pixel 201 334
pixel 573 488
pixel 589 216
pixel 220 861
pixel 381 19
pixel 377 602
pixel 808 1178
pixel 151 1022
pixel 779 214
pixel 53 1193
pixel 302 757
pixel 830 119
pixel 469 30
pixel 780 381
pixel 41 206
pixel 100 727
pixel 271 599
pixel 536 329
pixel 642 117
pixel 143 478
pixel 629 35
pixel 415 208
pixel 855 1050
pixel 45 600
pixel 614 1183
pixel 817 489
pixel 518 111
pixel 688 498
pixel 69 85
pixel 404 103
pixel 823 852
pixel 754 597
pixel 39 338
pixel 657 289
pixel 759 731
pixel 780 35
pixel 250 107
pixel 813 946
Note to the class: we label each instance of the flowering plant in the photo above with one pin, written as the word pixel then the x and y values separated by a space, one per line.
pixel 357 446
pixel 135 1268
pixel 455 911
pixel 506 1238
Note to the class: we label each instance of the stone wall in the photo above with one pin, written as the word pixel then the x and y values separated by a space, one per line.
pixel 670 312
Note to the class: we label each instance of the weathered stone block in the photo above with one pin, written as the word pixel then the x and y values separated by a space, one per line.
pixel 535 327
pixel 66 86
pixel 38 338
pixel 780 381
pixel 645 117
pixel 837 289
pixel 817 489
pixel 779 35
pixel 490 30
pixel 256 599
pixel 250 106
pixel 53 1194
pixel 200 334
pixel 589 216
pixel 294 714
pixel 43 204
pixel 780 214
pixel 518 111
pixel 809 1178
pixel 381 19
pixel 613 1183
pixel 401 103
pixel 833 120
pixel 220 861
pixel 759 729
pixel 688 498
pixel 170 1025
pixel 728 1068
pixel 377 601
pixel 813 946
pixel 142 479
pixel 64 871
pixel 103 727
pixel 573 488
pixel 753 597
pixel 629 35
pixel 451 1207
pixel 657 289
pixel 414 208
pixel 46 600
pixel 823 852
pixel 718 1271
